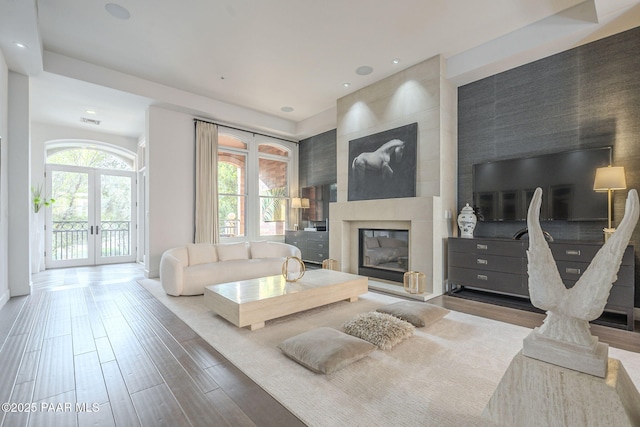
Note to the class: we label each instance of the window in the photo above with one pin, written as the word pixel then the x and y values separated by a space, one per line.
pixel 253 185
pixel 232 184
pixel 88 157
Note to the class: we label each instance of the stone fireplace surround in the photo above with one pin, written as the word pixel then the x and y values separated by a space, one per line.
pixel 415 214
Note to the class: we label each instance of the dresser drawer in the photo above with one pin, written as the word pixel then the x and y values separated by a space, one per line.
pixel 318 236
pixel 488 262
pixel 584 253
pixel 317 245
pixel 620 297
pixel 572 271
pixel 512 248
pixel 515 284
pixel 315 256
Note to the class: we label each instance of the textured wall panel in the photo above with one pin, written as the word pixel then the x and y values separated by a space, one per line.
pixel 588 96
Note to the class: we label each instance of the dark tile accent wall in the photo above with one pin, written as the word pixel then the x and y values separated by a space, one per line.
pixel 317 164
pixel 585 97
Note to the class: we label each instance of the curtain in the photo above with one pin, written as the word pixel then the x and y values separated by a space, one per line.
pixel 207 228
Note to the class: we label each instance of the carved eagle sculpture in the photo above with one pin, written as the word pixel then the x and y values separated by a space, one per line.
pixel 570 310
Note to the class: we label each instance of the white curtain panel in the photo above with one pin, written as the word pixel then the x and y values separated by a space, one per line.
pixel 206 215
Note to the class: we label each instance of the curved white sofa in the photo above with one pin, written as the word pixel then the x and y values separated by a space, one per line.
pixel 187 270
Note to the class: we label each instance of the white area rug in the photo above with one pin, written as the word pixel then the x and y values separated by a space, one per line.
pixel 442 376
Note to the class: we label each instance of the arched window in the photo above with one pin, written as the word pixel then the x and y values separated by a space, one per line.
pixel 89 157
pixel 232 184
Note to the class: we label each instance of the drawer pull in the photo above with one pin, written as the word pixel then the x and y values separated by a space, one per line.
pixel 575 252
pixel 572 270
pixel 482 261
pixel 482 277
pixel 481 246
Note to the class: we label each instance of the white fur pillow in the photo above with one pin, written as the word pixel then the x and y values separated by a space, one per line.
pixel 231 251
pixel 381 329
pixel 261 249
pixel 201 253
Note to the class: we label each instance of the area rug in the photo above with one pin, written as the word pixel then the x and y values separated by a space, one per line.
pixel 442 376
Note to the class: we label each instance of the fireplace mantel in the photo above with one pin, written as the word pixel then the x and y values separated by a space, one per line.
pixel 415 214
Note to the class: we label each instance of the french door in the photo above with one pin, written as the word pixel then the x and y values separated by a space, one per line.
pixel 92 220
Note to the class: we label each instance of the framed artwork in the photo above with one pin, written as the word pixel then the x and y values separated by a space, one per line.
pixel 383 165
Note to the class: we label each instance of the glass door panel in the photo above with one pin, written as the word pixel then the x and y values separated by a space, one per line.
pixel 69 243
pixel 116 237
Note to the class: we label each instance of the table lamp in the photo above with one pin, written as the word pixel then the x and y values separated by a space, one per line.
pixel 608 179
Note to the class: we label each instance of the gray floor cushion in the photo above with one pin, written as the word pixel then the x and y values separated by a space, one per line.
pixel 381 329
pixel 325 350
pixel 419 314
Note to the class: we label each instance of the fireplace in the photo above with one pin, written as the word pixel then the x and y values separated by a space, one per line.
pixel 383 253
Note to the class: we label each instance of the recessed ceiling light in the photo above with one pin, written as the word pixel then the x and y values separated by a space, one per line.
pixel 20 45
pixel 396 61
pixel 90 112
pixel 346 84
pixel 286 109
pixel 363 70
pixel 117 11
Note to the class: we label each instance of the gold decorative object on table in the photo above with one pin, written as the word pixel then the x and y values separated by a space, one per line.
pixel 415 282
pixel 331 264
pixel 285 269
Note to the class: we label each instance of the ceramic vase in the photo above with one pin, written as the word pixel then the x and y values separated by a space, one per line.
pixel 467 221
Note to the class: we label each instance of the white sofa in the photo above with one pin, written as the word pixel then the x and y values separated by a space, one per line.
pixel 187 270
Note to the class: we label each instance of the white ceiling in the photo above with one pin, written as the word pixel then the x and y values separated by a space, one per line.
pixel 259 55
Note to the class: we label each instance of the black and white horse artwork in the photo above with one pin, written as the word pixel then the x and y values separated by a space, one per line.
pixel 383 165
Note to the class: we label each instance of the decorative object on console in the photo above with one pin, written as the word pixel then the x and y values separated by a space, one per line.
pixel 609 179
pixel 331 264
pixel 564 339
pixel 467 221
pixel 383 165
pixel 415 282
pixel 290 274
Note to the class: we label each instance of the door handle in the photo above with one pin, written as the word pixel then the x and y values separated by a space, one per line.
pixel 91 230
pixel 97 229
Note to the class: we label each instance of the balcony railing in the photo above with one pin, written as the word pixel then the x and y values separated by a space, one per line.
pixel 70 239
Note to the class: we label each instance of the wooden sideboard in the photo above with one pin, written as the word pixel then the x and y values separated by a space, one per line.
pixel 314 245
pixel 500 265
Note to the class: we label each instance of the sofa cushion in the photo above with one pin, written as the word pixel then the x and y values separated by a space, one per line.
pixel 419 314
pixel 202 253
pixel 381 329
pixel 261 249
pixel 371 242
pixel 233 251
pixel 325 350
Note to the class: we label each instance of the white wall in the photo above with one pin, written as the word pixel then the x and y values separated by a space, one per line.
pixel 19 194
pixel 42 133
pixel 170 183
pixel 4 216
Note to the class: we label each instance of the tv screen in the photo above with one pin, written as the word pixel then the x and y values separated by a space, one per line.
pixel 502 190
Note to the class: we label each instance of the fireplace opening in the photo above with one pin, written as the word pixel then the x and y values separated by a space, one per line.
pixel 383 253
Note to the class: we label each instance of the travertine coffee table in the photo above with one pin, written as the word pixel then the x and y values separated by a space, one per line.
pixel 252 302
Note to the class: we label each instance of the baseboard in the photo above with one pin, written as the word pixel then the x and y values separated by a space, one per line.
pixel 4 298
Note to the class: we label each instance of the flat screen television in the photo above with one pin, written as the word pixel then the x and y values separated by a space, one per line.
pixel 502 190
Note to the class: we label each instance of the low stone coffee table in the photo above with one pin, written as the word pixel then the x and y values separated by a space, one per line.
pixel 252 302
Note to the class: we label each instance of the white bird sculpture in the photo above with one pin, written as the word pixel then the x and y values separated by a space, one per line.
pixel 570 310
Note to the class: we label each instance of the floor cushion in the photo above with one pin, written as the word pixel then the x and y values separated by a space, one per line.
pixel 325 350
pixel 380 329
pixel 419 314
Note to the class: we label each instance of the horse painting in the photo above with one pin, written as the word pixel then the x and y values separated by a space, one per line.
pixel 378 161
pixel 383 165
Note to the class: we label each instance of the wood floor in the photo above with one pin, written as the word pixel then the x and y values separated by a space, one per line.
pixel 93 337
pixel 91 347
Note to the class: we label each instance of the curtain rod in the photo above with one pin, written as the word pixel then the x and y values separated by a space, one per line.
pixel 245 130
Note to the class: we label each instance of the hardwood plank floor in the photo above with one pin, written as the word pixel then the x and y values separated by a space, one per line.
pixel 92 335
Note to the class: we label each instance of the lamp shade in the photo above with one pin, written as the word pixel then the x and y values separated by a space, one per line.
pixel 610 178
pixel 295 203
pixel 305 203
